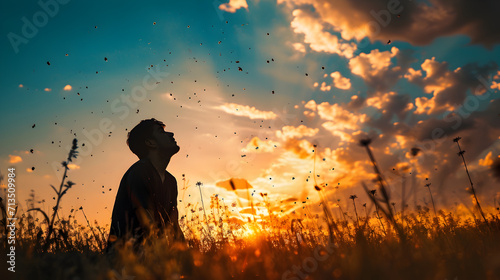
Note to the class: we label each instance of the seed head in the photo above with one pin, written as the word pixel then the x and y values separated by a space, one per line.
pixel 365 142
pixel 415 151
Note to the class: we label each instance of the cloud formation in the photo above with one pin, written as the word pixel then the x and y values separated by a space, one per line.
pixel 340 118
pixel 416 22
pixel 246 111
pixel 14 159
pixel 233 5
pixel 339 81
pixel 73 166
pixel 317 37
pixel 377 68
pixel 288 132
pixel 447 89
pixel 256 145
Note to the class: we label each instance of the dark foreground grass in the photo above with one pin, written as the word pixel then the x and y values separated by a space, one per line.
pixel 439 248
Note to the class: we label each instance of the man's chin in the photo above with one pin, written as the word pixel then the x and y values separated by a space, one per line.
pixel 171 151
pixel 176 150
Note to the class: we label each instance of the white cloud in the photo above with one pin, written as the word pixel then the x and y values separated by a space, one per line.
pixel 288 132
pixel 246 111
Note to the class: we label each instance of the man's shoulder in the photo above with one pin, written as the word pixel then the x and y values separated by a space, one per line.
pixel 140 168
pixel 170 174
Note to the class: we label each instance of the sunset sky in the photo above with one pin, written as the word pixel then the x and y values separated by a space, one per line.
pixel 248 88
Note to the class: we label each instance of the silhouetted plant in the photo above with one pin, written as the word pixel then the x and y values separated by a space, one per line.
pixel 63 189
pixel 461 154
pixel 428 185
pixel 353 197
pixel 385 196
pixel 372 193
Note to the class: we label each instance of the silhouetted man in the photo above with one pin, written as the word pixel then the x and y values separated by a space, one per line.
pixel 147 197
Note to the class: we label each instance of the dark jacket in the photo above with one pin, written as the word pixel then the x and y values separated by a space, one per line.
pixel 143 201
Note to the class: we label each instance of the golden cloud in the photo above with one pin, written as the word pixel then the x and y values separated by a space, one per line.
pixel 67 87
pixel 341 118
pixel 234 184
pixel 339 81
pixel 428 106
pixel 73 166
pixel 318 39
pixel 301 148
pixel 415 22
pixel 299 47
pixel 448 88
pixel 379 101
pixel 323 87
pixel 233 5
pixel 259 146
pixel 375 63
pixel 336 130
pixel 487 161
pixel 14 159
pixel 311 105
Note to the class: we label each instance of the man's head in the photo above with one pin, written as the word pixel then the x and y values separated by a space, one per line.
pixel 149 136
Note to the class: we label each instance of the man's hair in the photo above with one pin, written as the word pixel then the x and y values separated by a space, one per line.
pixel 136 138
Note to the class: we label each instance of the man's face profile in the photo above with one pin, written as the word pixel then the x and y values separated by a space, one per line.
pixel 165 141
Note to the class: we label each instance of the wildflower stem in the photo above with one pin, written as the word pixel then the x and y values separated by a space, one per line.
pixel 383 189
pixel 461 154
pixel 432 199
pixel 91 228
pixel 203 206
pixel 60 193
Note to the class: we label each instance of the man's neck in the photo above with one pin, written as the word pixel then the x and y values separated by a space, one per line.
pixel 160 165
